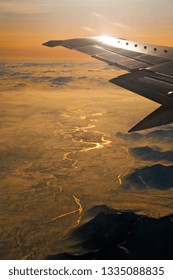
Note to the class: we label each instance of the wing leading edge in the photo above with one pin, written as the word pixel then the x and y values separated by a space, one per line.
pixel 150 67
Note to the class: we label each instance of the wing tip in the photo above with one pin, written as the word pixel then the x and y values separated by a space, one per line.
pixel 53 43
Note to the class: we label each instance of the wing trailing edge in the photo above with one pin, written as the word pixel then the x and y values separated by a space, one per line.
pixel 160 116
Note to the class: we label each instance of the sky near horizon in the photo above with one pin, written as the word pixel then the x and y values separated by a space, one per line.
pixel 26 24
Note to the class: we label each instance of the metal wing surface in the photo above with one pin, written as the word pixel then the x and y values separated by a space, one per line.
pixel 150 70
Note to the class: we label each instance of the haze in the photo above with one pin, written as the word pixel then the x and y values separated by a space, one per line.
pixel 26 24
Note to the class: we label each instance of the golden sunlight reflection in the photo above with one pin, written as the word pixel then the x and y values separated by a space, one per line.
pixel 65 149
pixel 120 179
pixel 79 210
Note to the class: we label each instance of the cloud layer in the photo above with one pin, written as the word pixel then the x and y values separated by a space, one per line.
pixel 49 75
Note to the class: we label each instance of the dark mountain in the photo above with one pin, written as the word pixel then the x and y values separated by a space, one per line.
pixel 122 235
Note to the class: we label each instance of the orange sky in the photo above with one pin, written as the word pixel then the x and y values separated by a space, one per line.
pixel 25 24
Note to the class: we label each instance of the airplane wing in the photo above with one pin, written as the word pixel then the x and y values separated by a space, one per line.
pixel 150 70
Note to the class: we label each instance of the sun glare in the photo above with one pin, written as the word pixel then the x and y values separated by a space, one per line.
pixel 107 40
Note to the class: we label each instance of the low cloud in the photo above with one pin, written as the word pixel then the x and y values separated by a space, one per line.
pixel 61 80
pixel 51 74
pixel 132 136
